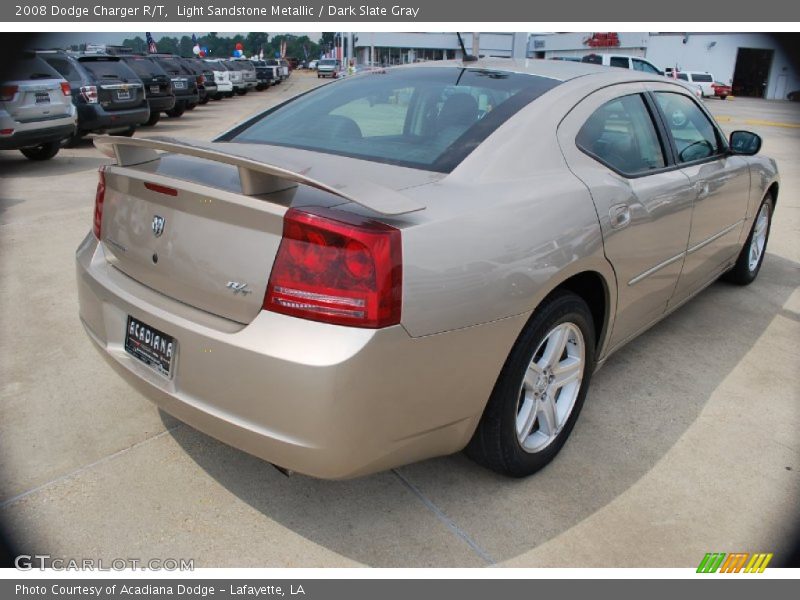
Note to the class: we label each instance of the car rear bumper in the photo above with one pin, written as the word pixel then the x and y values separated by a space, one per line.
pixel 328 401
pixel 159 103
pixel 224 86
pixel 56 130
pixel 93 117
pixel 184 99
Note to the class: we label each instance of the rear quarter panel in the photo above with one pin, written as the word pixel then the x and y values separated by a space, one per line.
pixel 504 229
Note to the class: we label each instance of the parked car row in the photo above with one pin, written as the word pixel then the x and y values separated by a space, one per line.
pixel 56 97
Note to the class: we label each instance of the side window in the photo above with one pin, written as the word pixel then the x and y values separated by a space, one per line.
pixel 695 136
pixel 644 66
pixel 619 61
pixel 621 135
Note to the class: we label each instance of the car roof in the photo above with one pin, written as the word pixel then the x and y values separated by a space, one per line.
pixel 561 70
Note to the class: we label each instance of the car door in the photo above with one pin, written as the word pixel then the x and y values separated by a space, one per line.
pixel 612 142
pixel 720 185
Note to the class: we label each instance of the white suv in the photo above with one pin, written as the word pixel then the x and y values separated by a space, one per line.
pixel 638 63
pixel 704 80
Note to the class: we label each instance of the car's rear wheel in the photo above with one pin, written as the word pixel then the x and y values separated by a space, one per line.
pixel 175 112
pixel 42 151
pixel 191 106
pixel 751 257
pixel 204 100
pixel 155 117
pixel 540 391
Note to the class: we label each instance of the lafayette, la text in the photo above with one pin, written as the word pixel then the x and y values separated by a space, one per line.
pixel 276 10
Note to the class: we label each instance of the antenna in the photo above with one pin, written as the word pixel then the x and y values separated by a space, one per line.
pixel 467 57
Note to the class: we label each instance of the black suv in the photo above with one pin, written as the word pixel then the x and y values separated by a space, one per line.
pixel 184 83
pixel 206 84
pixel 264 74
pixel 108 93
pixel 157 85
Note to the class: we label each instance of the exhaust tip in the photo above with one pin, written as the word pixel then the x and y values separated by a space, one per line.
pixel 282 471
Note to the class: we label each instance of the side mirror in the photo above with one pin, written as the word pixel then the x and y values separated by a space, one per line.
pixel 746 143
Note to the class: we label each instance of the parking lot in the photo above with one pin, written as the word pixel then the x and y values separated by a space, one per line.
pixel 688 442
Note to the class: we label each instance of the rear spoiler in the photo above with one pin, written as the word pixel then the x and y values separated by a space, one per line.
pixel 258 177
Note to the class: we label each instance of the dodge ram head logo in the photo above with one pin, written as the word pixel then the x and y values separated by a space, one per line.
pixel 158 225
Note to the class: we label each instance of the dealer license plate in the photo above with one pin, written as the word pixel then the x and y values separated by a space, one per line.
pixel 154 348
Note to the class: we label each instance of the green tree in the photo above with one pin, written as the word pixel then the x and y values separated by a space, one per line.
pixel 169 45
pixel 185 46
pixel 137 44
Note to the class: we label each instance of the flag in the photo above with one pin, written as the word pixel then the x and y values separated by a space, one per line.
pixel 151 44
pixel 305 51
pixel 194 40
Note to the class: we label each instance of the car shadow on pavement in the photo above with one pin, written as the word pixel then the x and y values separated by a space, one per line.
pixel 17 167
pixel 640 403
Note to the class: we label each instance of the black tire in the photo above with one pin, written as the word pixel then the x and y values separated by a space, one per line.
pixel 495 444
pixel 204 100
pixel 155 117
pixel 174 113
pixel 42 151
pixel 191 106
pixel 126 132
pixel 742 273
pixel 723 97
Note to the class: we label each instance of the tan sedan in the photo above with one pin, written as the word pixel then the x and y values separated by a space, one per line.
pixel 411 262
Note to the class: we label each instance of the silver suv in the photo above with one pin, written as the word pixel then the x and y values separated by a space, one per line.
pixel 36 109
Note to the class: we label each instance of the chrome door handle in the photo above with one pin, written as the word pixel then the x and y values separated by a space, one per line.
pixel 702 189
pixel 620 216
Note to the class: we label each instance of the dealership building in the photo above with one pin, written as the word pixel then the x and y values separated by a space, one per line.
pixel 755 64
pixel 398 48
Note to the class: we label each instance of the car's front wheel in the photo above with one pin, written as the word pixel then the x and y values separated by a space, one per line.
pixel 540 391
pixel 42 151
pixel 751 257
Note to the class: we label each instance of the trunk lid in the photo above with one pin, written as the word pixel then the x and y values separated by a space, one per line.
pixel 202 225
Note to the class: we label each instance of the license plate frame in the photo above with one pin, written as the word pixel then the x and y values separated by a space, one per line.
pixel 155 89
pixel 150 346
pixel 179 85
pixel 42 98
pixel 123 94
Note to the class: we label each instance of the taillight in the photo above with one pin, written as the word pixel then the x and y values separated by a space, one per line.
pixel 337 267
pixel 201 79
pixel 99 198
pixel 65 88
pixel 7 92
pixel 89 93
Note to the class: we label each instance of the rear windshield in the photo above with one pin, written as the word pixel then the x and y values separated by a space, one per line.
pixel 31 67
pixel 232 66
pixel 216 65
pixel 328 61
pixel 108 68
pixel 702 78
pixel 173 66
pixel 429 118
pixel 145 67
pixel 245 65
pixel 594 59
